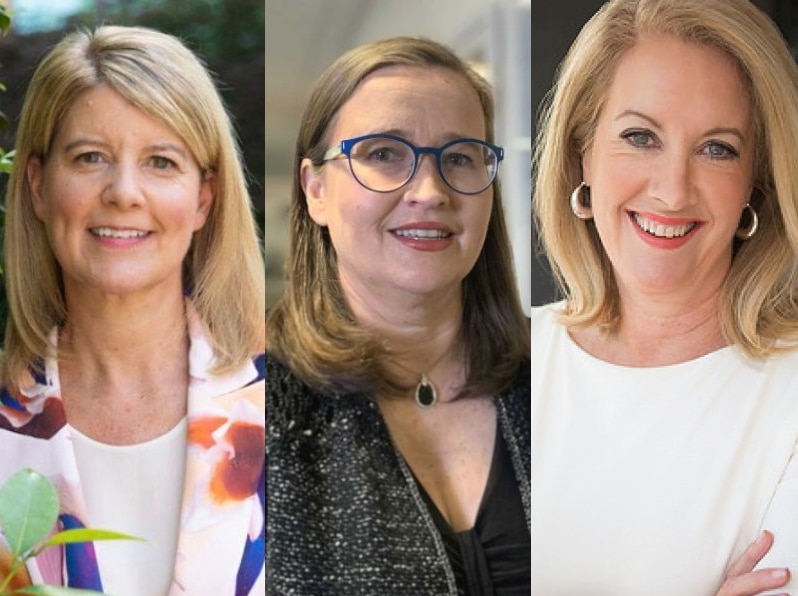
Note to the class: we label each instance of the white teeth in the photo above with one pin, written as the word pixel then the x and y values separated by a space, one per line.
pixel 422 233
pixel 660 230
pixel 111 233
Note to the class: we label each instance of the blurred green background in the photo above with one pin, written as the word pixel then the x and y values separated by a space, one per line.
pixel 228 35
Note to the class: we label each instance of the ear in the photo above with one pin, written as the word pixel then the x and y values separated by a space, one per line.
pixel 313 186
pixel 207 194
pixel 34 172
pixel 586 162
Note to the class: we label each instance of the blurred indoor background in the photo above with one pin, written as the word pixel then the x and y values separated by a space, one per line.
pixel 304 36
pixel 554 27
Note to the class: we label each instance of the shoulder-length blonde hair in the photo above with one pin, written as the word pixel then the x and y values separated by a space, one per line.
pixel 312 329
pixel 758 306
pixel 223 271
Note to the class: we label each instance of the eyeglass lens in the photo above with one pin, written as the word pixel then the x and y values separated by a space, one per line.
pixel 383 164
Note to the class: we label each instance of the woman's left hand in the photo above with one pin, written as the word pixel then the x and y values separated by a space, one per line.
pixel 742 580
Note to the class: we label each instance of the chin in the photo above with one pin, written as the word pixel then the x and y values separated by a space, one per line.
pixel 120 284
pixel 430 285
pixel 664 284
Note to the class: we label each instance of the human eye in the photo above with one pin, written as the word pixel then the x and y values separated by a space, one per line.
pixel 719 150
pixel 381 150
pixel 458 160
pixel 88 158
pixel 640 138
pixel 464 155
pixel 382 154
pixel 160 162
pixel 386 152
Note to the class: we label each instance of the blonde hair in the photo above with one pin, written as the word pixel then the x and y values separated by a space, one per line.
pixel 758 307
pixel 223 270
pixel 311 328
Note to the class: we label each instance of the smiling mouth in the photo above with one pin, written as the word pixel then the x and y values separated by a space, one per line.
pixel 119 234
pixel 422 234
pixel 660 230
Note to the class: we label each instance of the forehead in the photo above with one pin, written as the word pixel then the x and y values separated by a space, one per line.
pixel 662 72
pixel 103 110
pixel 412 99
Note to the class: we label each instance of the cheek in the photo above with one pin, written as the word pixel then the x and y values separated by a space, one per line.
pixel 728 199
pixel 63 202
pixel 615 184
pixel 178 206
pixel 352 209
pixel 481 217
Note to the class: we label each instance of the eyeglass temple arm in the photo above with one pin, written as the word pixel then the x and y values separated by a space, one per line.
pixel 334 153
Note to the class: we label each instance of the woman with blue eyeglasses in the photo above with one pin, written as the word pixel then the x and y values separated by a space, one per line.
pixel 398 357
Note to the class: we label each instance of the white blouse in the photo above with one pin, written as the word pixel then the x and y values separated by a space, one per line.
pixel 653 480
pixel 137 490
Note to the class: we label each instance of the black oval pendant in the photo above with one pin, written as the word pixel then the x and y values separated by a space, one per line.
pixel 425 394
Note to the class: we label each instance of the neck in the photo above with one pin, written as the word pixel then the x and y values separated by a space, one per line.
pixel 659 332
pixel 119 342
pixel 421 332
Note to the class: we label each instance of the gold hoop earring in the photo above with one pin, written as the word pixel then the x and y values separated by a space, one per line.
pixel 580 202
pixel 748 232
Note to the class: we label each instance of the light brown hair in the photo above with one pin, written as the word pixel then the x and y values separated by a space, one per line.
pixel 311 327
pixel 758 306
pixel 223 271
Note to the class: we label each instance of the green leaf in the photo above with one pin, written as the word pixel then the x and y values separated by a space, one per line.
pixel 28 510
pixel 5 22
pixel 55 591
pixel 86 535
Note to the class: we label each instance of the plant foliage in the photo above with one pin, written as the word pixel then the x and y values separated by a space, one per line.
pixel 28 514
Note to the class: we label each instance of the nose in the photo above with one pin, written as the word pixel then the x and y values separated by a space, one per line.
pixel 671 182
pixel 122 186
pixel 426 186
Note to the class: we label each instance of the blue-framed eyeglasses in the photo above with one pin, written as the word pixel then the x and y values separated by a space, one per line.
pixel 385 163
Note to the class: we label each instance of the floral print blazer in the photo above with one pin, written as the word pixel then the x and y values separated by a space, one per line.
pixel 221 546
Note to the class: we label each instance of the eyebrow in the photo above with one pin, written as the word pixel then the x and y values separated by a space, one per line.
pixel 405 134
pixel 626 113
pixel 712 131
pixel 169 147
pixel 158 148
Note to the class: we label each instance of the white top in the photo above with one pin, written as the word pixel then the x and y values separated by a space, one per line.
pixel 653 480
pixel 136 490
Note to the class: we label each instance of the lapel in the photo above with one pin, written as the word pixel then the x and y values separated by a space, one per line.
pixel 221 547
pixel 40 438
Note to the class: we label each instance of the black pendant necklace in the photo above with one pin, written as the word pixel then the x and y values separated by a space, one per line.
pixel 426 394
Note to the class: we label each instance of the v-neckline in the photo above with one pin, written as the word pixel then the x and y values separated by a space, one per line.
pixel 493 478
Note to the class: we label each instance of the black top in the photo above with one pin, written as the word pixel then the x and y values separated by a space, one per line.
pixel 344 515
pixel 493 557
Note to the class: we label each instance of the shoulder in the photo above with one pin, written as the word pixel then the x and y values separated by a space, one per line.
pixel 281 382
pixel 546 330
pixel 514 400
pixel 289 400
pixel 545 315
pixel 35 410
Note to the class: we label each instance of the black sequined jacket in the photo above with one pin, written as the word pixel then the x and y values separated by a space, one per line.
pixel 345 517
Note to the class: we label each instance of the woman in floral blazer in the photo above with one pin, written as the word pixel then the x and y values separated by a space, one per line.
pixel 133 372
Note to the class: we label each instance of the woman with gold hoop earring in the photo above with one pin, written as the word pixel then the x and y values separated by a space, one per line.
pixel 665 382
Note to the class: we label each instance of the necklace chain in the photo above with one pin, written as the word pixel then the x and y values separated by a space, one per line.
pixel 425 393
